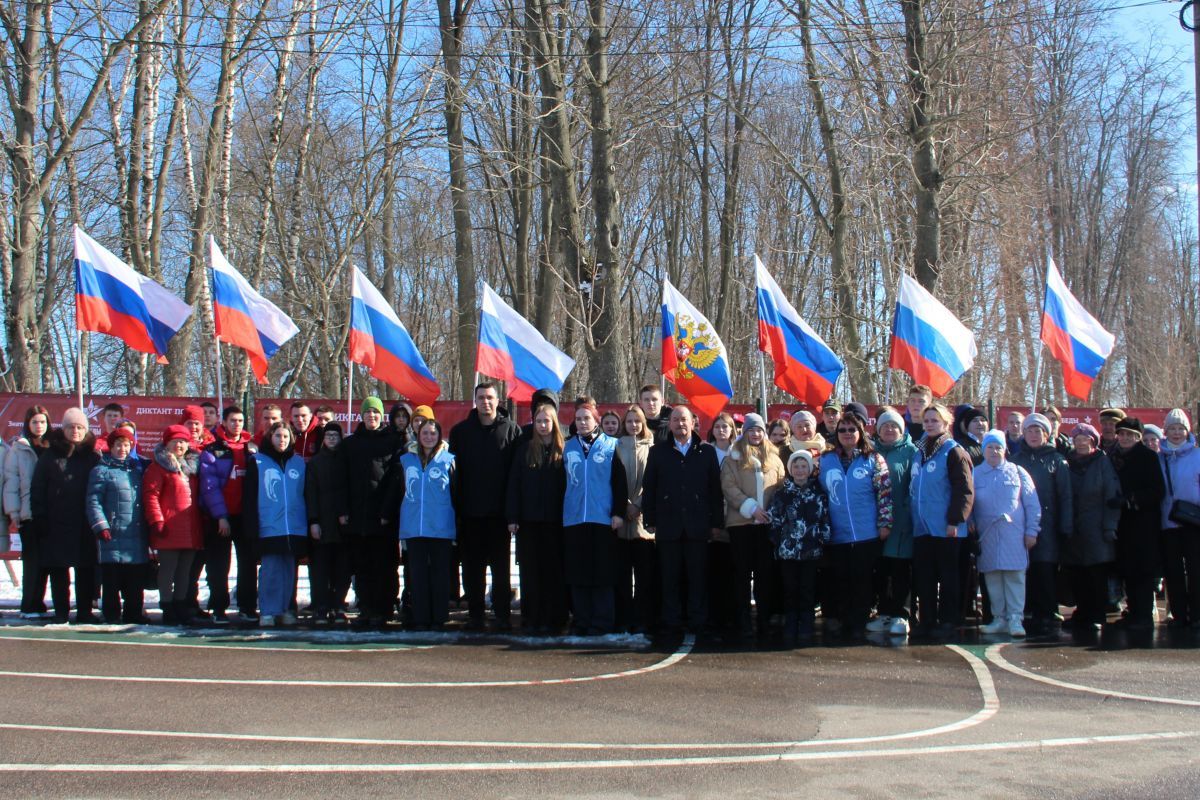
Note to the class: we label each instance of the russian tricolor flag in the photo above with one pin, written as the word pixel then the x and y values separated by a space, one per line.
pixel 111 297
pixel 1075 337
pixel 805 367
pixel 693 356
pixel 511 349
pixel 928 342
pixel 380 342
pixel 243 317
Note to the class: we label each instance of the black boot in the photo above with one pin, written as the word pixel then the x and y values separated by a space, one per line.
pixel 170 614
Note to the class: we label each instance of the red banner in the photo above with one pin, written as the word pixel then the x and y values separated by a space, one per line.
pixel 151 414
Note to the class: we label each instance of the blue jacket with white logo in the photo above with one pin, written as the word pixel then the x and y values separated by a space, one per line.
pixel 273 507
pixel 427 495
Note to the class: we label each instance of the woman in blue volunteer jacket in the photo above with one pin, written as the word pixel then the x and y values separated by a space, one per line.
pixel 422 490
pixel 114 510
pixel 274 511
pixel 593 511
pixel 856 479
pixel 942 491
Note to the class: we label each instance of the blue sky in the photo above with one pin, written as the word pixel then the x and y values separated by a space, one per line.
pixel 1155 23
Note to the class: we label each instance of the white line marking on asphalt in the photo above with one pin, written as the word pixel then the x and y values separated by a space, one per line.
pixel 993 655
pixel 991 705
pixel 249 644
pixel 669 661
pixel 624 763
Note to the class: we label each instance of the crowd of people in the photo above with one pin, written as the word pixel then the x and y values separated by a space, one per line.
pixel 916 522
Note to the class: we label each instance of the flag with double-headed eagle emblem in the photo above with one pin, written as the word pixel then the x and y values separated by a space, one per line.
pixel 693 356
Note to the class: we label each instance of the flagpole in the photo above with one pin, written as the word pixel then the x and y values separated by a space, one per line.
pixel 762 382
pixel 212 310
pixel 349 361
pixel 1037 368
pixel 79 368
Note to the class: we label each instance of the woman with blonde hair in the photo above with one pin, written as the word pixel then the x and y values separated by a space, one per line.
pixel 749 478
pixel 637 566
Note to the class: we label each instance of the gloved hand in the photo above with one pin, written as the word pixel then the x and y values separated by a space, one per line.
pixel 106 535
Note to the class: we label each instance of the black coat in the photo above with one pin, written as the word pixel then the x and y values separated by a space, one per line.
pixel 1139 533
pixel 57 496
pixel 1052 479
pixel 482 454
pixel 681 494
pixel 364 458
pixel 534 494
pixel 660 426
pixel 1095 497
pixel 324 488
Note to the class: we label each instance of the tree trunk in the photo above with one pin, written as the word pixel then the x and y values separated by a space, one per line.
pixel 608 362
pixel 927 232
pixel 452 21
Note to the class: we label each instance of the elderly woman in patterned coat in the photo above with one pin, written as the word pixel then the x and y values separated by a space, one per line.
pixel 1006 517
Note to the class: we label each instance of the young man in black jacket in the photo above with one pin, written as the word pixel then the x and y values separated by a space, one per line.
pixel 482 445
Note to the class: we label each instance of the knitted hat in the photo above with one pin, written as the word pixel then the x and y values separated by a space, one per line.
pixel 1083 429
pixel 858 410
pixel 193 414
pixel 1130 424
pixel 1153 430
pixel 800 455
pixel 372 403
pixel 808 415
pixel 332 427
pixel 995 437
pixel 1039 420
pixel 892 416
pixel 121 433
pixel 754 421
pixel 1113 413
pixel 1177 416
pixel 423 411
pixel 174 432
pixel 75 416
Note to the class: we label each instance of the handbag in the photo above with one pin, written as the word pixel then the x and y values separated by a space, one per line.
pixel 1182 512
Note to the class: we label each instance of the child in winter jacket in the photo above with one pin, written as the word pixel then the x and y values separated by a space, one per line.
pixel 799 514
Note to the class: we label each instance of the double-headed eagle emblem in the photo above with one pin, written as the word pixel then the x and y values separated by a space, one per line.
pixel 696 346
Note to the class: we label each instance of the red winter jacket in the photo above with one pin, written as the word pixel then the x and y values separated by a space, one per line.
pixel 172 501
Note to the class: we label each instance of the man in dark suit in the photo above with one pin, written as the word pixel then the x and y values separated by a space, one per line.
pixel 683 507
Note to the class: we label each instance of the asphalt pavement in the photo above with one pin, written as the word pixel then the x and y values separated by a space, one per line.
pixel 151 712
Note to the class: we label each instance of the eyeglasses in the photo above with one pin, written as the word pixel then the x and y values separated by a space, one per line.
pixel 847 430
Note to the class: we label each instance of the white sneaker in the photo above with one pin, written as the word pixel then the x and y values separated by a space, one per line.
pixel 288 618
pixel 1016 629
pixel 879 624
pixel 266 621
pixel 995 626
pixel 899 627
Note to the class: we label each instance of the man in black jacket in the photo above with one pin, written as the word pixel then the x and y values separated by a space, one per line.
pixel 683 507
pixel 483 444
pixel 658 415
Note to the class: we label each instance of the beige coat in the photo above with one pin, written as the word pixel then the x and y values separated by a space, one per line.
pixel 19 461
pixel 748 489
pixel 633 453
